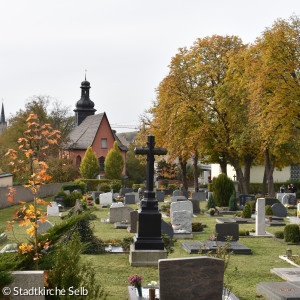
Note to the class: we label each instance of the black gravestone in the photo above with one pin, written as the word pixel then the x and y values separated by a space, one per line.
pixel 129 199
pixel 271 201
pixel 149 231
pixel 245 198
pixel 227 229
pixel 160 196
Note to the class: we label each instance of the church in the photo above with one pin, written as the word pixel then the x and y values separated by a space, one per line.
pixel 3 123
pixel 91 130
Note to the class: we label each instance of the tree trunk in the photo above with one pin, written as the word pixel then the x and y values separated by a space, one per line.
pixel 239 174
pixel 269 167
pixel 247 165
pixel 264 184
pixel 223 165
pixel 183 173
pixel 196 175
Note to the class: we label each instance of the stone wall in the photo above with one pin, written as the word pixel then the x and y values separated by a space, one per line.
pixel 23 194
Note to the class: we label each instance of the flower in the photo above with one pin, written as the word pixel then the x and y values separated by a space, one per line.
pixel 135 280
pixel 152 283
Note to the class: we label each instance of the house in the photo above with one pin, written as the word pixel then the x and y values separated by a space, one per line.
pixel 91 130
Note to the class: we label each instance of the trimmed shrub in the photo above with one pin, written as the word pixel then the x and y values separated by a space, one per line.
pixel 172 186
pixel 233 202
pixel 211 202
pixel 104 187
pixel 246 212
pixel 242 232
pixel 97 201
pixel 251 204
pixel 116 186
pixel 71 199
pixel 279 234
pixel 291 233
pixel 223 188
pixel 74 186
pixel 269 210
pixel 197 227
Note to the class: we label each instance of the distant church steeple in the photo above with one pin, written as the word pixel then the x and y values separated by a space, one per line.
pixel 3 123
pixel 84 106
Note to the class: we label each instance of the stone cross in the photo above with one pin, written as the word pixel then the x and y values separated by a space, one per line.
pixel 150 151
pixel 149 231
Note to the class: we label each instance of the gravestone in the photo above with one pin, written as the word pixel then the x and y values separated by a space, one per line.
pixel 105 199
pixel 43 227
pixel 177 193
pixel 279 290
pixel 178 198
pixel 181 205
pixel 117 204
pixel 118 214
pixel 182 219
pixel 129 199
pixel 136 196
pixel 201 196
pixel 167 229
pixel 194 278
pixel 53 210
pixel 124 191
pixel 289 274
pixel 60 200
pixel 141 191
pixel 196 206
pixel 245 198
pixel 289 199
pixel 279 210
pixel 298 210
pixel 260 223
pixel 227 229
pixel 3 237
pixel 96 194
pixel 133 221
pixel 160 196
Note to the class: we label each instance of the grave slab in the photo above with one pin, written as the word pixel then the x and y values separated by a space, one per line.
pixel 289 274
pixel 279 290
pixel 119 225
pixel 235 220
pixel 207 246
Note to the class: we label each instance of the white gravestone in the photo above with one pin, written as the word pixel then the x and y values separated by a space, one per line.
pixel 53 210
pixel 106 198
pixel 117 204
pixel 182 221
pixel 181 205
pixel 260 222
pixel 43 227
pixel 298 210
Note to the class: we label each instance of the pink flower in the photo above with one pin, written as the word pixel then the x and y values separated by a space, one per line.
pixel 135 280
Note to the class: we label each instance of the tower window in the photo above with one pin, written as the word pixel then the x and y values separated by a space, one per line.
pixel 101 163
pixel 103 143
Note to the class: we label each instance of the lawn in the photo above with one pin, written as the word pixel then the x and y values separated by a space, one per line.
pixel 243 273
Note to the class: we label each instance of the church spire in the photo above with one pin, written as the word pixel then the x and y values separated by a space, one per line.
pixel 2 120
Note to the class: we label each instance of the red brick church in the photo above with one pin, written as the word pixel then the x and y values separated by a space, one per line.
pixel 91 130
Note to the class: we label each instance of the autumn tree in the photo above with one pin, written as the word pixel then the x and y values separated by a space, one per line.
pixel 89 167
pixel 114 163
pixel 33 145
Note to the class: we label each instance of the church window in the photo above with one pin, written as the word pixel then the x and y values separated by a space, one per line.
pixel 78 160
pixel 103 143
pixel 101 163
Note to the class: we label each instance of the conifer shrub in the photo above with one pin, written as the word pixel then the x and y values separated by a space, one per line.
pixel 97 200
pixel 246 212
pixel 233 202
pixel 291 233
pixel 251 204
pixel 269 210
pixel 114 163
pixel 116 186
pixel 223 187
pixel 211 202
pixel 89 167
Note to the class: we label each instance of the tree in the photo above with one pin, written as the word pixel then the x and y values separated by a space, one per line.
pixel 36 139
pixel 114 163
pixel 135 168
pixel 89 167
pixel 62 169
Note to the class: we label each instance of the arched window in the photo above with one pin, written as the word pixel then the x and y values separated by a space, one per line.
pixel 78 160
pixel 101 163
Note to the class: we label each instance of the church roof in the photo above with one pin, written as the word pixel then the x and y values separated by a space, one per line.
pixel 82 136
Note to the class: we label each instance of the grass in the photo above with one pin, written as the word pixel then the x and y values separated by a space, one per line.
pixel 243 273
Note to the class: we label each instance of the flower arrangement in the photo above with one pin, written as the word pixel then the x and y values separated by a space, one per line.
pixel 124 221
pixel 135 280
pixel 152 284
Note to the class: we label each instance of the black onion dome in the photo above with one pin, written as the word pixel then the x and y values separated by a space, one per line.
pixel 85 83
pixel 85 103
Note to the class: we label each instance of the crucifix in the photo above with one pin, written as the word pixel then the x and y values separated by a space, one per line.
pixel 234 177
pixel 149 232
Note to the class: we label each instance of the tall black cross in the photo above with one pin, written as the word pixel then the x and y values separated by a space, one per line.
pixel 149 233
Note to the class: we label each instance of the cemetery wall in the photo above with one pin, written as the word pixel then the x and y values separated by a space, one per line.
pixel 23 194
pixel 256 173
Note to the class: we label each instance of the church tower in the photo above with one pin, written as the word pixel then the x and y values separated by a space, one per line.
pixel 84 106
pixel 3 124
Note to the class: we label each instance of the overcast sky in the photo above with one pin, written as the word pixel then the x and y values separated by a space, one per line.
pixel 126 46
